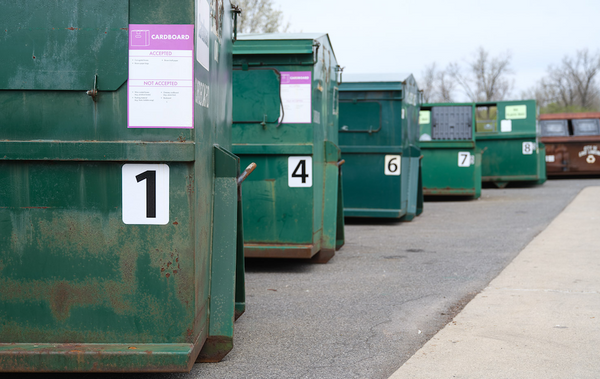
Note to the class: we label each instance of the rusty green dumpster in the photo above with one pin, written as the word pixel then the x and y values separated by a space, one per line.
pixel 118 191
pixel 451 160
pixel 508 135
pixel 285 118
pixel 379 138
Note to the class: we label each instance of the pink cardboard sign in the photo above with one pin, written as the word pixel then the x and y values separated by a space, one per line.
pixel 296 97
pixel 160 87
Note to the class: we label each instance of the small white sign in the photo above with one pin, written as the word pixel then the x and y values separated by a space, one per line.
pixel 300 171
pixel 316 117
pixel 528 148
pixel 464 159
pixel 506 126
pixel 145 190
pixel 393 165
pixel 202 35
pixel 515 111
pixel 424 117
pixel 403 113
pixel 550 158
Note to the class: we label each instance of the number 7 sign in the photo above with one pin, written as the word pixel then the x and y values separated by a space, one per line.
pixel 145 194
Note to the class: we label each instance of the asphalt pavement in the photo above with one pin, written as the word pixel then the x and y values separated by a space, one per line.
pixel 539 319
pixel 390 289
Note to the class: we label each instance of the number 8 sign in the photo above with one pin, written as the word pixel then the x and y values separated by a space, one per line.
pixel 528 148
pixel 145 194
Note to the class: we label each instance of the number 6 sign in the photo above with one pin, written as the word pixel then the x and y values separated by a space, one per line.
pixel 145 194
pixel 392 165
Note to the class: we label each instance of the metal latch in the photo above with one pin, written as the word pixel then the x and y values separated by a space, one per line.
pixel 94 91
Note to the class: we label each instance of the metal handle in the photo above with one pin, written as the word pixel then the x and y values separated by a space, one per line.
pixel 245 173
pixel 370 131
pixel 235 10
pixel 341 162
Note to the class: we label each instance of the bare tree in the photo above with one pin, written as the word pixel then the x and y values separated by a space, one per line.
pixel 259 16
pixel 437 85
pixel 446 87
pixel 486 78
pixel 570 87
pixel 427 83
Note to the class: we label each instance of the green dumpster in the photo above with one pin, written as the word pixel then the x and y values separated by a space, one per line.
pixel 285 117
pixel 451 161
pixel 507 134
pixel 379 138
pixel 118 193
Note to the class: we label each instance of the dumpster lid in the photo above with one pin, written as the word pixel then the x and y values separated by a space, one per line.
pixel 278 36
pixel 279 43
pixel 377 82
pixel 569 116
pixel 376 78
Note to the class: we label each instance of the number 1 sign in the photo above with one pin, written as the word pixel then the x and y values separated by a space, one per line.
pixel 145 194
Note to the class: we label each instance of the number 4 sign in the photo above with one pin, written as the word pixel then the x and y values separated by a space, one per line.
pixel 145 194
pixel 300 171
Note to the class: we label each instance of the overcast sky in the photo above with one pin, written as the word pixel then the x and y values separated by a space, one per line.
pixel 383 36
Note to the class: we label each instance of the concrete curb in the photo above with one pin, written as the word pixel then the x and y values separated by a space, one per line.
pixel 540 318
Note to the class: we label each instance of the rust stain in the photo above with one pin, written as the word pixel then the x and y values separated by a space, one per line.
pixel 124 28
pixel 64 295
pixel 72 28
pixel 168 275
pixel 175 223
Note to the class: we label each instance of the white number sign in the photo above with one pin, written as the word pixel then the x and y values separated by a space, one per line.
pixel 300 171
pixel 392 165
pixel 145 190
pixel 528 148
pixel 464 159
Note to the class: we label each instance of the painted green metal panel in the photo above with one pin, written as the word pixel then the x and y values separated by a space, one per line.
pixel 378 120
pixel 257 97
pixel 443 176
pixel 62 45
pixel 81 290
pixel 367 191
pixel 505 157
pixel 450 166
pixel 279 220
